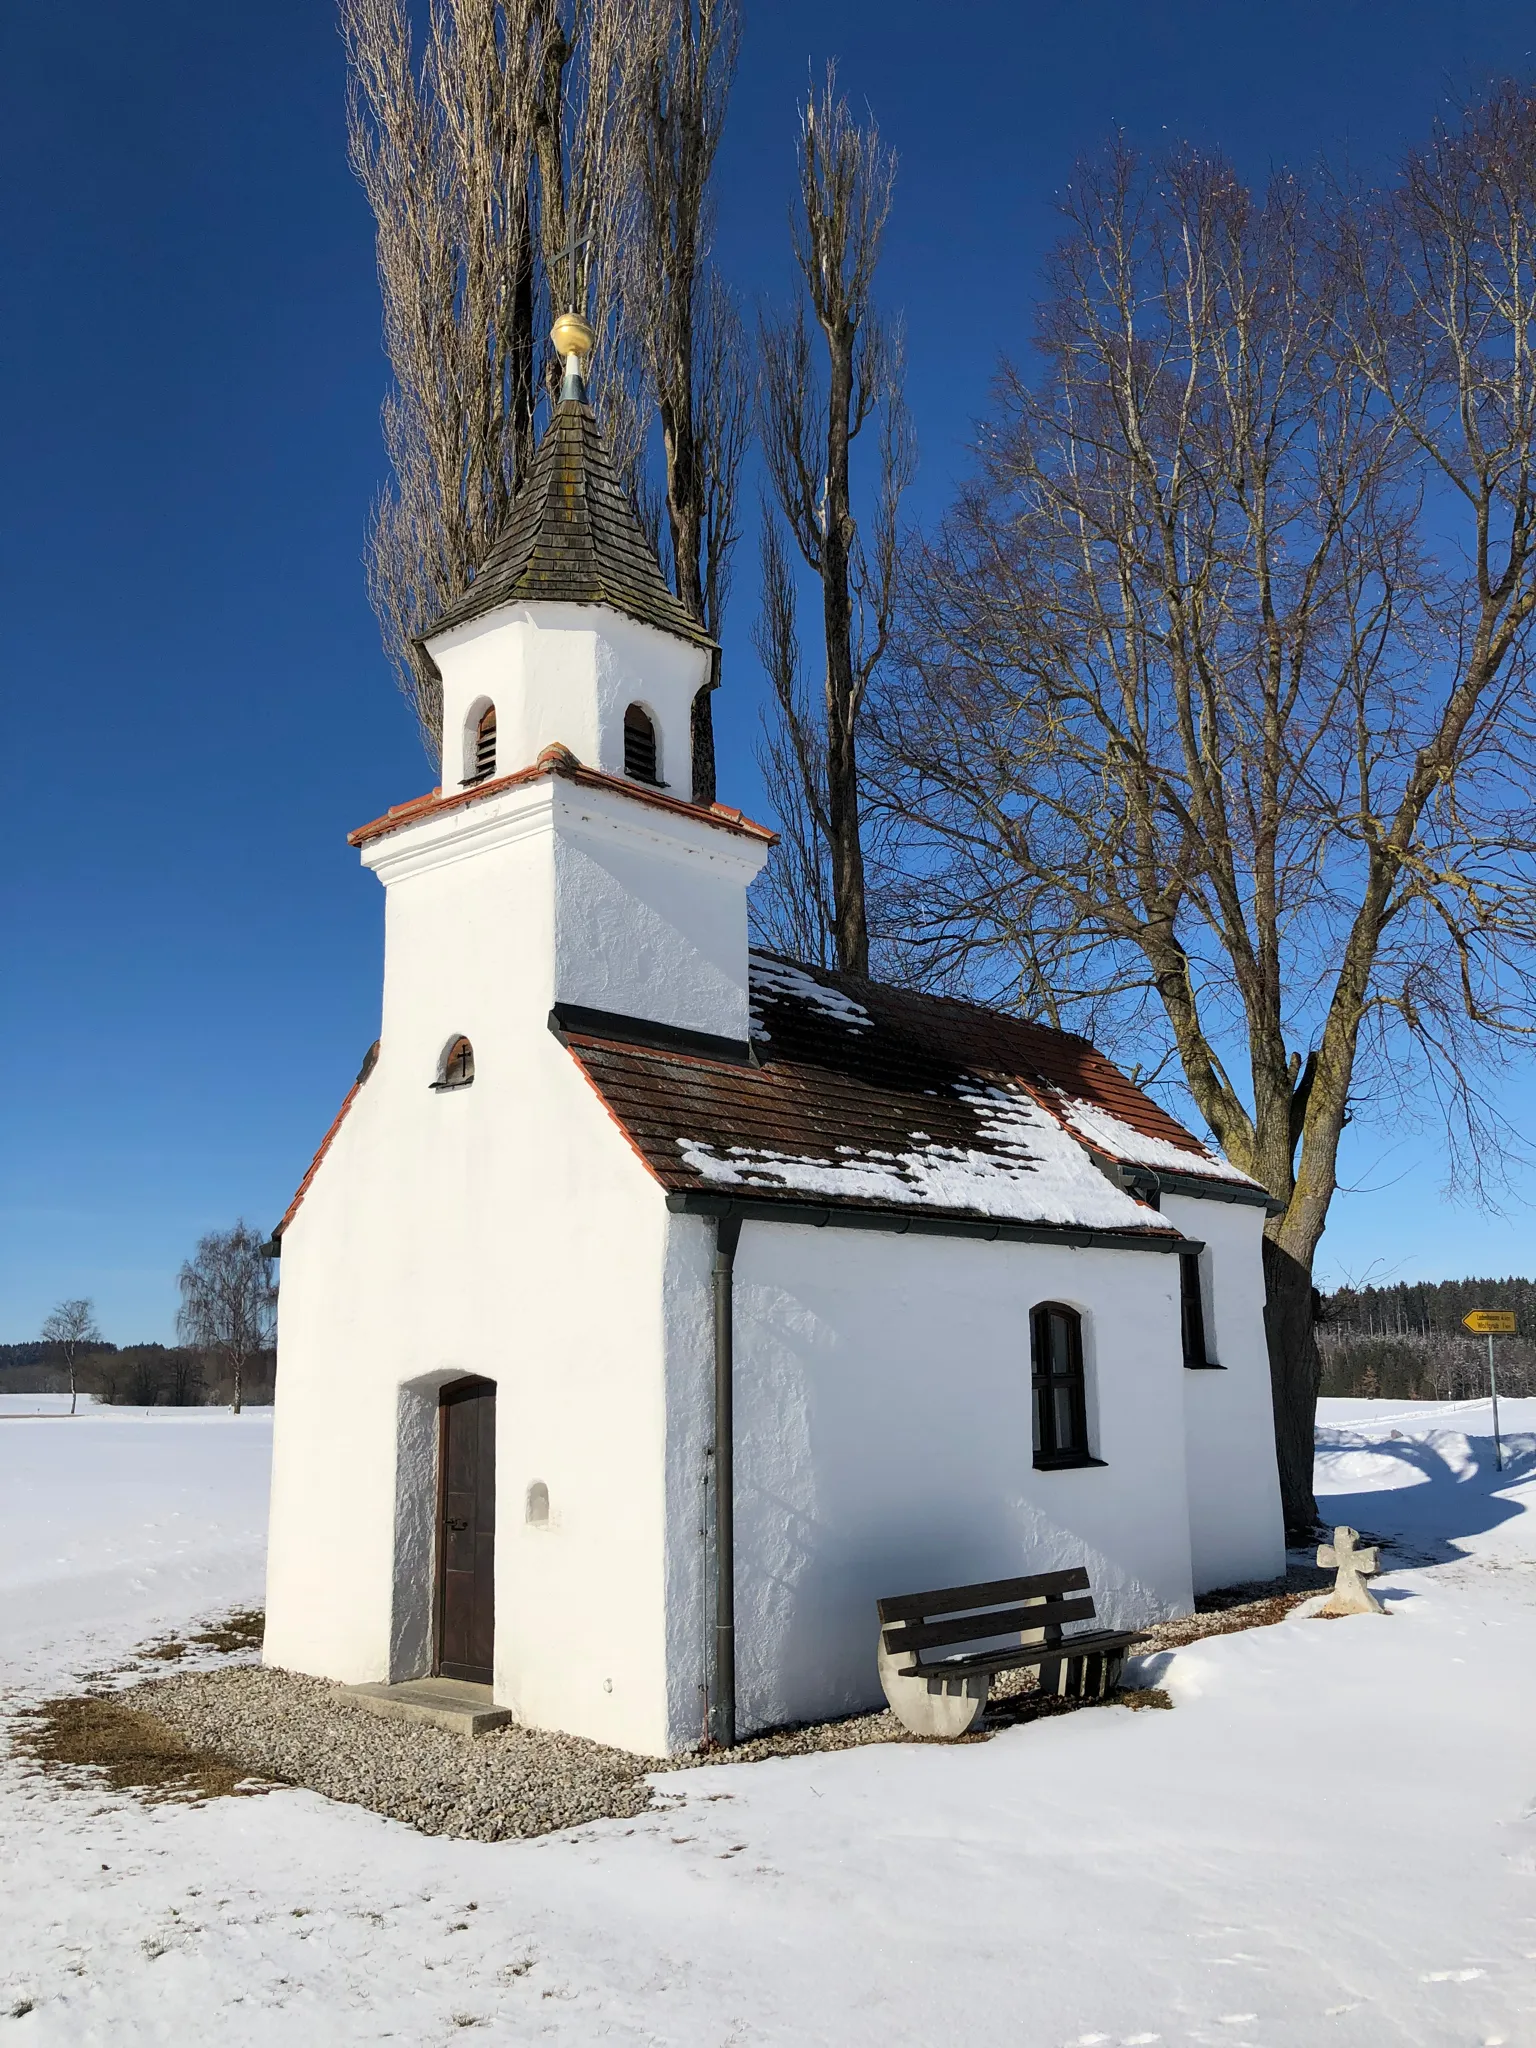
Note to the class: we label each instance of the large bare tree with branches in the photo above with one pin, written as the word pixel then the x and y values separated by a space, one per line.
pixel 1214 731
pixel 818 397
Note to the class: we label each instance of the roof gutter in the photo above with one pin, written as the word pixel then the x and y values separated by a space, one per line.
pixel 901 1222
pixel 1219 1191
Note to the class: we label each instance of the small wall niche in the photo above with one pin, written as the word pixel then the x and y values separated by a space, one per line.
pixel 538 1505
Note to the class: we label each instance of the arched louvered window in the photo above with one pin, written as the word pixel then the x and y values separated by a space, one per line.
pixel 485 746
pixel 457 1069
pixel 639 745
pixel 1060 1388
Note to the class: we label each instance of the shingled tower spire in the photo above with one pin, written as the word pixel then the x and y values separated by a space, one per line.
pixel 572 535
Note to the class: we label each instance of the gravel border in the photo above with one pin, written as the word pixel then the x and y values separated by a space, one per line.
pixel 242 1722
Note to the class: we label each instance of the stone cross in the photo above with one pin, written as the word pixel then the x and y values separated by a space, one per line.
pixel 1350 1593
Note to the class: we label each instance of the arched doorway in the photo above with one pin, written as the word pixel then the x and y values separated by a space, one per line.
pixel 466 1530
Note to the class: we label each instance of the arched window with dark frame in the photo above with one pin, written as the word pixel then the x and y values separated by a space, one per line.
pixel 484 759
pixel 639 745
pixel 457 1068
pixel 1059 1386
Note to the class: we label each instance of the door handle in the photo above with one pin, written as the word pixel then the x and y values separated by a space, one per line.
pixel 457 1522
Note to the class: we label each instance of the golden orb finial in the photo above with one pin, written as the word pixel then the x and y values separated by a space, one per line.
pixel 572 336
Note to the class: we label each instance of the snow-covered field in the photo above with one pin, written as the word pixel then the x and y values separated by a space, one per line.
pixel 1332 1838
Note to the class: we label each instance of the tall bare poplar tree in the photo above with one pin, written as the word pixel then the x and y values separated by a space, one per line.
pixel 817 398
pixel 1216 722
pixel 687 323
pixel 498 161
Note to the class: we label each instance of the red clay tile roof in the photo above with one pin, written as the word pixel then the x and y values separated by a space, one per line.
pixel 329 1139
pixel 879 1097
pixel 556 760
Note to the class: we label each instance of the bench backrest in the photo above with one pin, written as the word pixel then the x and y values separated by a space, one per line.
pixel 979 1614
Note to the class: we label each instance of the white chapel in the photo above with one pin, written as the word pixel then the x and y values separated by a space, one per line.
pixel 654 1306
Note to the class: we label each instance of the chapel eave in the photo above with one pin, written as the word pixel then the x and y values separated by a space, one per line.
pixel 558 763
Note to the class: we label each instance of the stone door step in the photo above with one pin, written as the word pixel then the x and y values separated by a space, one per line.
pixel 448 1703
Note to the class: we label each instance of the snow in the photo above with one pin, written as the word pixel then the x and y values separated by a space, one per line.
pixel 1037 1174
pixel 118 1523
pixel 1107 1133
pixel 780 978
pixel 1331 1839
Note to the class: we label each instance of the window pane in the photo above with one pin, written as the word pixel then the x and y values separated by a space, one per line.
pixel 1062 1406
pixel 1192 1313
pixel 1061 1345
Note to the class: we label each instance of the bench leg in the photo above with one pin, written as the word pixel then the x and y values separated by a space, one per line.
pixel 938 1709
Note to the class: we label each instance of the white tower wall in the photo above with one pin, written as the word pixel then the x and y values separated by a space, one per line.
pixel 564 675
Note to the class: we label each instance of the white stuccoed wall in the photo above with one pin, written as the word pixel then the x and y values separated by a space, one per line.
pixel 507 1230
pixel 651 912
pixel 883 1445
pixel 565 674
pixel 1236 1529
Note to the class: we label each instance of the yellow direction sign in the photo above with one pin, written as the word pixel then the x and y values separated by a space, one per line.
pixel 1491 1322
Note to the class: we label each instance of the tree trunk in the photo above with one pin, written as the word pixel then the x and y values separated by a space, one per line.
pixel 237 1386
pixel 71 1384
pixel 847 846
pixel 702 738
pixel 1295 1372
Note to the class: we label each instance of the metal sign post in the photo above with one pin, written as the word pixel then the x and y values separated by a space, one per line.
pixel 1492 1322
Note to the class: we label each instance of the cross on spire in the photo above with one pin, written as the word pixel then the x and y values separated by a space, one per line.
pixel 573 242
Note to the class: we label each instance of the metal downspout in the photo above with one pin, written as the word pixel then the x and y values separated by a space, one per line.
pixel 722 1688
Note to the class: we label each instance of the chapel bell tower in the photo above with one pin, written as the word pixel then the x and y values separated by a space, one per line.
pixel 573 682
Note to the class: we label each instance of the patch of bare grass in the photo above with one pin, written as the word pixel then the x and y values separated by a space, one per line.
pixel 127 1750
pixel 238 1634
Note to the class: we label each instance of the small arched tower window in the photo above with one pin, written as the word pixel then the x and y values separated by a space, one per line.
pixel 639 745
pixel 485 746
pixel 1059 1386
pixel 538 1504
pixel 457 1068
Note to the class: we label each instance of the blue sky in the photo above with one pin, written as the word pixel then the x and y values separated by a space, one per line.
pixel 196 706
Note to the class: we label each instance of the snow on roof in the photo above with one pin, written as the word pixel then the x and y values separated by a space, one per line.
pixel 881 1097
pixel 772 978
pixel 1111 1135
pixel 1030 1171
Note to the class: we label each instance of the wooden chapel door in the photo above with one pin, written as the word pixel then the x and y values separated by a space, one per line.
pixel 466 1531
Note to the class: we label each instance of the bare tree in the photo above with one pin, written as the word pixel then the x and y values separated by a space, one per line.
pixel 811 418
pixel 70 1327
pixel 686 319
pixel 497 163
pixel 1203 734
pixel 229 1300
pixel 792 902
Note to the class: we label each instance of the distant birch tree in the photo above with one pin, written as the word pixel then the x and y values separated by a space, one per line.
pixel 229 1301
pixel 1215 730
pixel 69 1329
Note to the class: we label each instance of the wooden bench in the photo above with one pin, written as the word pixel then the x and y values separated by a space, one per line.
pixel 945 1695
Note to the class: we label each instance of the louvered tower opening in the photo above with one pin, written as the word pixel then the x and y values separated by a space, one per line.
pixel 485 746
pixel 639 746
